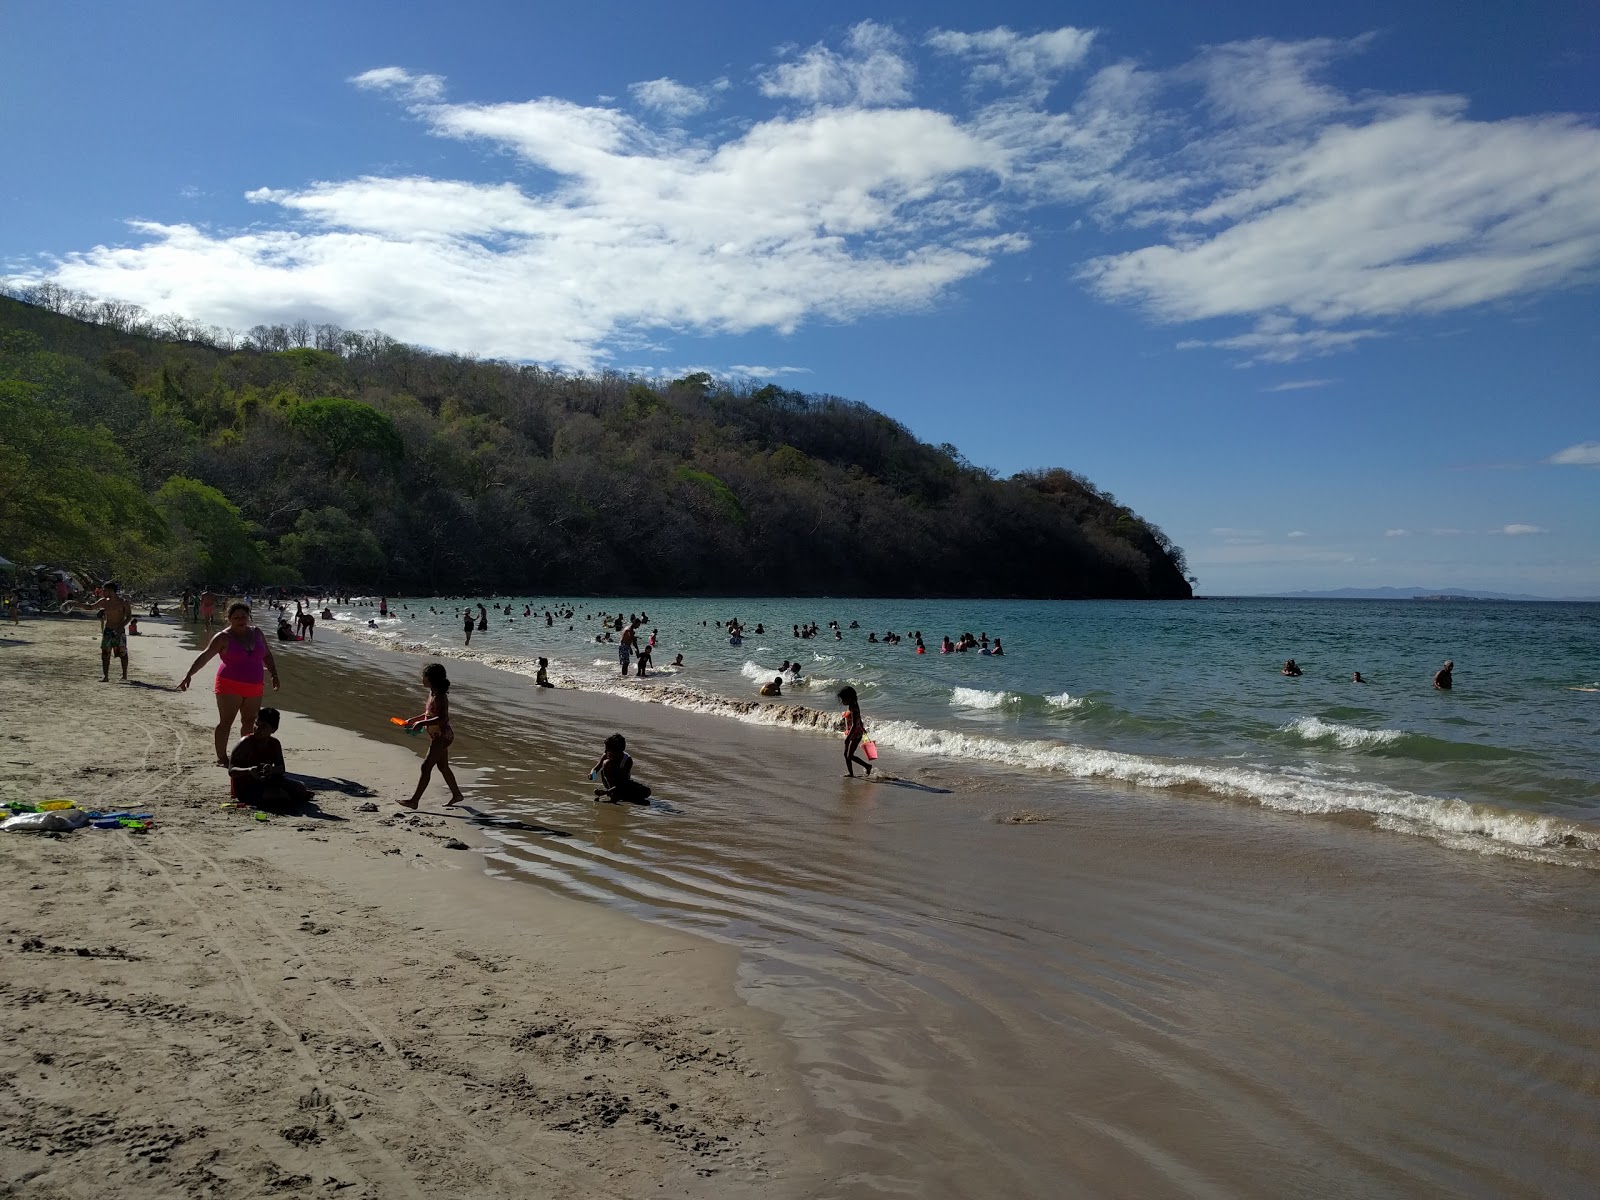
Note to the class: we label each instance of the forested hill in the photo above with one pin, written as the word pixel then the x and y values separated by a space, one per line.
pixel 324 456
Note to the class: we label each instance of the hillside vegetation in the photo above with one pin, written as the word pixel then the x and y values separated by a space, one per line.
pixel 169 452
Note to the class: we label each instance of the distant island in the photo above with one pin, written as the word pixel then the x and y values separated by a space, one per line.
pixel 167 452
pixel 1421 593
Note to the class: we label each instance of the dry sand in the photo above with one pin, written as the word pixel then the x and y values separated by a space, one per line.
pixel 338 1003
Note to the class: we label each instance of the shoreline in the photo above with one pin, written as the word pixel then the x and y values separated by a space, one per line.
pixel 1468 825
pixel 338 995
pixel 1195 987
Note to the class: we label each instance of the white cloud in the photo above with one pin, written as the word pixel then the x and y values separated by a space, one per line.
pixel 755 372
pixel 870 71
pixel 1519 530
pixel 1584 454
pixel 1276 339
pixel 1297 533
pixel 1298 385
pixel 1294 202
pixel 1013 60
pixel 831 213
pixel 1305 219
pixel 1397 533
pixel 402 82
pixel 670 98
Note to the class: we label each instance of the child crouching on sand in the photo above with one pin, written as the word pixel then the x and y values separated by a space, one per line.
pixel 255 768
pixel 436 719
pixel 615 772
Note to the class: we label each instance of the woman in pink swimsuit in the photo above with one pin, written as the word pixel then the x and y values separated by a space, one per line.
pixel 246 660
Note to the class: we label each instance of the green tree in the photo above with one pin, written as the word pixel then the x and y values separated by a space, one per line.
pixel 328 544
pixel 346 427
pixel 67 493
pixel 213 538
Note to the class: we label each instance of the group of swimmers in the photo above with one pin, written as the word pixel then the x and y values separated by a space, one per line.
pixel 1443 678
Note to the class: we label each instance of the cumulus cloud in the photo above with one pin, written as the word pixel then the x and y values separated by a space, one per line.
pixel 1009 59
pixel 831 213
pixel 1295 218
pixel 1291 201
pixel 670 98
pixel 1584 454
pixel 401 82
pixel 870 70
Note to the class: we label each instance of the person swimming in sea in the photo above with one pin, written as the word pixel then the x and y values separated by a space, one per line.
pixel 775 688
pixel 1444 677
pixel 1355 677
pixel 1290 667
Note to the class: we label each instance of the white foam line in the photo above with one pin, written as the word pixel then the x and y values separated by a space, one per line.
pixel 1447 818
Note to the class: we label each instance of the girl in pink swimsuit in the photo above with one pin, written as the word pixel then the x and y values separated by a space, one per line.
pixel 436 719
pixel 241 678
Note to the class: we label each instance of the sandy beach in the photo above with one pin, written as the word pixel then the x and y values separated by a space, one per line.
pixel 966 981
pixel 341 1002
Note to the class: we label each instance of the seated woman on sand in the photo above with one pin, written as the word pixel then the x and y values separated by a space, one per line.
pixel 255 768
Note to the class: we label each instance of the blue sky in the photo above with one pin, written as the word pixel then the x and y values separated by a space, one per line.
pixel 1312 287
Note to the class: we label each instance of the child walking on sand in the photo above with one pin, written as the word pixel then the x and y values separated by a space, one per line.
pixel 615 772
pixel 854 730
pixel 436 718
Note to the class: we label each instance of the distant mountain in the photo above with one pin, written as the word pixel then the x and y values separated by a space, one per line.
pixel 1416 593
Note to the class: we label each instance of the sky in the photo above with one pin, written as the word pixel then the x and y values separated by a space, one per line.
pixel 1314 288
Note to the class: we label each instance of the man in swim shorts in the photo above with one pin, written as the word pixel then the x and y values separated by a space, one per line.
pixel 626 645
pixel 115 612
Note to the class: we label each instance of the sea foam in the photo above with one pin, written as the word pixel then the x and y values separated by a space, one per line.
pixel 1351 737
pixel 963 697
pixel 1450 820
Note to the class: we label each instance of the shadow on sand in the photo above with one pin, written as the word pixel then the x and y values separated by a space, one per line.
pixel 484 821
pixel 321 783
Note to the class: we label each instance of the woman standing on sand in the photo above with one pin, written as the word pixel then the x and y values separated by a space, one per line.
pixel 246 661
pixel 854 730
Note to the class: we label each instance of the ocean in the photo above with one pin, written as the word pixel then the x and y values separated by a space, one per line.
pixel 1134 914
pixel 1184 697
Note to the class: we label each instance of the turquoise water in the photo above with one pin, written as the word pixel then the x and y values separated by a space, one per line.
pixel 1183 697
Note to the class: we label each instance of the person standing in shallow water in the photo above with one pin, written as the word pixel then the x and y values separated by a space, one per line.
pixel 1444 677
pixel 854 730
pixel 466 624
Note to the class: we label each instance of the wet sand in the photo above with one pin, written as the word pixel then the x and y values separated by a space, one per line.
pixel 339 1002
pixel 1005 984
